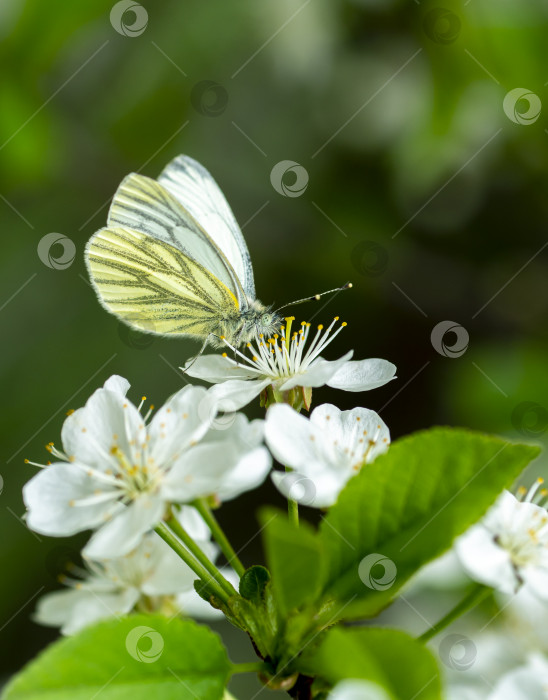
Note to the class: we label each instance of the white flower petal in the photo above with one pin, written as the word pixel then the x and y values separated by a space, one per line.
pixel 293 440
pixel 108 419
pixel 125 530
pixel 216 368
pixel 193 523
pixel 214 468
pixel 83 608
pixel 363 375
pixel 183 419
pixel 319 489
pixel 192 605
pixel 484 560
pixel 237 393
pixel 117 384
pixel 319 372
pixel 537 578
pixel 520 684
pixel 248 473
pixel 169 574
pixel 52 496
pixel 359 433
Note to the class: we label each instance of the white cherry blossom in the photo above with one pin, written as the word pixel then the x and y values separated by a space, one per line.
pixel 286 362
pixel 118 474
pixel 509 547
pixel 324 451
pixel 150 578
pixel 529 682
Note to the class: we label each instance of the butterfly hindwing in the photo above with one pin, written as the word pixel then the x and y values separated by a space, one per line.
pixel 154 286
pixel 194 187
pixel 143 204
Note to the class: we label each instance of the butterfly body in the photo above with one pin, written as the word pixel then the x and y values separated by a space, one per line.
pixel 172 260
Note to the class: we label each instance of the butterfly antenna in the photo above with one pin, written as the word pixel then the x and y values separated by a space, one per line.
pixel 316 297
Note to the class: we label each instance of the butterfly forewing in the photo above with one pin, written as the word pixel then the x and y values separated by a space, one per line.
pixel 144 205
pixel 197 191
pixel 154 286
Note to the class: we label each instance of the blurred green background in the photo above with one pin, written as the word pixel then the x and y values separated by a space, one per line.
pixel 426 189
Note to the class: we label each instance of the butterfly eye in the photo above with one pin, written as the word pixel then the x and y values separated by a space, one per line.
pixel 266 319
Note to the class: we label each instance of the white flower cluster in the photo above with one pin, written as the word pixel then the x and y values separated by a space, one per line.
pixel 122 475
pixel 509 547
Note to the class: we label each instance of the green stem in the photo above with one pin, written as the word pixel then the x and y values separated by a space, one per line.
pixel 167 535
pixel 292 507
pixel 219 536
pixel 474 597
pixel 250 667
pixel 212 570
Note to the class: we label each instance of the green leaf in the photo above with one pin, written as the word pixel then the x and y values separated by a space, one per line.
pixel 141 657
pixel 407 507
pixel 391 658
pixel 294 557
pixel 253 583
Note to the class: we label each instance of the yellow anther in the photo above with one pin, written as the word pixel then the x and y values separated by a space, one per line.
pixel 70 412
pixel 344 323
pixel 226 354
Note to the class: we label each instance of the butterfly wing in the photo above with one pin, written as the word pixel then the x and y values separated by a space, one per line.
pixel 154 286
pixel 197 191
pixel 142 204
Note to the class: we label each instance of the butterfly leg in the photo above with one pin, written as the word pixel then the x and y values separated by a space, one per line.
pixel 193 359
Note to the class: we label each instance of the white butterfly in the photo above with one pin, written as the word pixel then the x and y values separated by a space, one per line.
pixel 172 260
